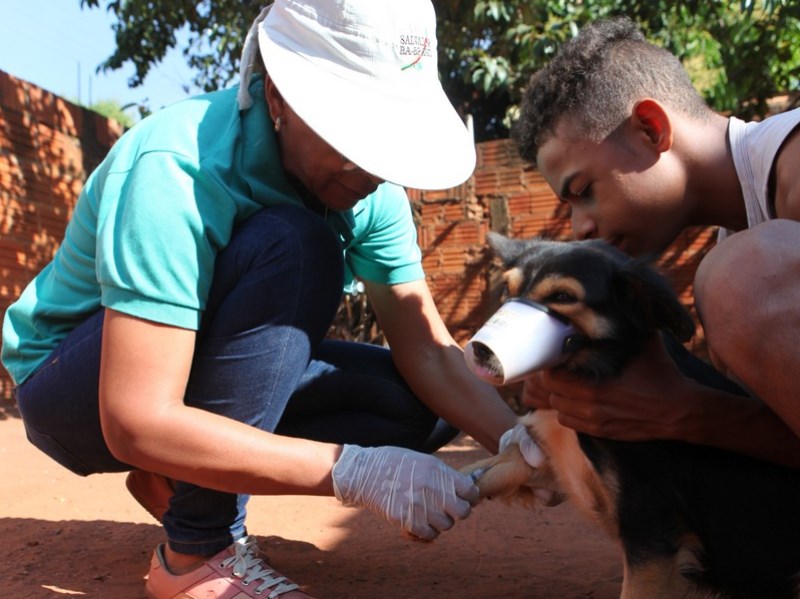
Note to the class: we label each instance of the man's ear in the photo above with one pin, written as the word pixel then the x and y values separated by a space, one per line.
pixel 651 119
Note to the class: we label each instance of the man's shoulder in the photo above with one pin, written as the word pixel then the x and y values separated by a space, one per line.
pixel 785 180
pixel 775 125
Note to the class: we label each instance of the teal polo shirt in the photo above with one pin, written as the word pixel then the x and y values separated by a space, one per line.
pixel 151 218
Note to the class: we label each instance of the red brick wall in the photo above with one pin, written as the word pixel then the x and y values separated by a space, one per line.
pixel 506 196
pixel 49 145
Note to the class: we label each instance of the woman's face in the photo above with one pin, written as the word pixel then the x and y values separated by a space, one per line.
pixel 306 157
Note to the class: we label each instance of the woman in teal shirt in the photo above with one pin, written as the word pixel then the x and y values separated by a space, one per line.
pixel 179 331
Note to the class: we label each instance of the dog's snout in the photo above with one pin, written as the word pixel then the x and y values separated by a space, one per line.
pixel 482 352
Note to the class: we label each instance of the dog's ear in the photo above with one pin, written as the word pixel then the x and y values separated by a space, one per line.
pixel 506 249
pixel 651 295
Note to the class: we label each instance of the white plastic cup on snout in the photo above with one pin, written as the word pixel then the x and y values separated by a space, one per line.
pixel 520 338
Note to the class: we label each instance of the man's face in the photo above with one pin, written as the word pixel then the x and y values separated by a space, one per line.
pixel 619 189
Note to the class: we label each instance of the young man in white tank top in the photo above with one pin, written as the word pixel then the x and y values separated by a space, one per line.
pixel 620 134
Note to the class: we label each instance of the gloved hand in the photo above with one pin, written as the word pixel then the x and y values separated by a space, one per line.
pixel 534 457
pixel 415 490
pixel 529 449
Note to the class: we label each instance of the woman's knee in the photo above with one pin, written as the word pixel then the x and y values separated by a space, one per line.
pixel 283 263
pixel 290 234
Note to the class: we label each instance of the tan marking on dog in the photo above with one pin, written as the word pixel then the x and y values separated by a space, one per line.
pixel 661 579
pixel 593 494
pixel 665 578
pixel 514 278
pixel 687 557
pixel 552 284
pixel 581 316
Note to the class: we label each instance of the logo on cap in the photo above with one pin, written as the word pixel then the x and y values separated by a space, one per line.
pixel 417 46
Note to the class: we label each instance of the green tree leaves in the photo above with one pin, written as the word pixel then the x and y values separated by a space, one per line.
pixel 739 53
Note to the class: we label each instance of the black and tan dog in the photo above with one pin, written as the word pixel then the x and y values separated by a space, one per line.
pixel 692 521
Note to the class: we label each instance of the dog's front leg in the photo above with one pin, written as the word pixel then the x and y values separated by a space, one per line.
pixel 508 476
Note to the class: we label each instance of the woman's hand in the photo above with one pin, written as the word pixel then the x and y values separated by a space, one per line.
pixel 414 490
pixel 530 450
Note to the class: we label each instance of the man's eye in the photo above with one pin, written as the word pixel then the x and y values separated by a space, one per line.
pixel 578 195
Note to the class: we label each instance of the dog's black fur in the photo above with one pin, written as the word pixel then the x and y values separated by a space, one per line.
pixel 729 524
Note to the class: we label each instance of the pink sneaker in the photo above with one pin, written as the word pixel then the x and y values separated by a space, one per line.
pixel 234 573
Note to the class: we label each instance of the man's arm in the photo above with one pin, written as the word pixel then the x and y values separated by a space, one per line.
pixel 433 365
pixel 652 399
pixel 787 178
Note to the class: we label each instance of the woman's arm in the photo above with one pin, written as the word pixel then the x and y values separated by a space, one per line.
pixel 143 374
pixel 433 365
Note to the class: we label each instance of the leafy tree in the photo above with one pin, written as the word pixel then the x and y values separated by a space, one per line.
pixel 146 29
pixel 739 52
pixel 112 109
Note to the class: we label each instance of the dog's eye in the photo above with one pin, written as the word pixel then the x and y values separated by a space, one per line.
pixel 561 297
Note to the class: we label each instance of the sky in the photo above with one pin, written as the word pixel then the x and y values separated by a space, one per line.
pixel 57 45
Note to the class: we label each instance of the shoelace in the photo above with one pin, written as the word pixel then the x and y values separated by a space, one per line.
pixel 250 568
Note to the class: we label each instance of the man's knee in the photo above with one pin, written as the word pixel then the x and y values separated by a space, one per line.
pixel 747 282
pixel 719 289
pixel 749 264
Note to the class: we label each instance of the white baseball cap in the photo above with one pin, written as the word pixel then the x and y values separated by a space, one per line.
pixel 363 75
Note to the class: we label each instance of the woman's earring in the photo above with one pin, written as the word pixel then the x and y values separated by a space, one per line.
pixel 277 124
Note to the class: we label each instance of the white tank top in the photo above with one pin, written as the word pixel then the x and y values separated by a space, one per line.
pixel 754 146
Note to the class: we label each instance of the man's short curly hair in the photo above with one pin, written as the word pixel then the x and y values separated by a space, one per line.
pixel 595 79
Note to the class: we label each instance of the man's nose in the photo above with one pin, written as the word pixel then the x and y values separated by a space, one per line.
pixel 583 225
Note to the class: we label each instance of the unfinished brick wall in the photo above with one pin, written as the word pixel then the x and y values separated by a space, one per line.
pixel 48 146
pixel 506 196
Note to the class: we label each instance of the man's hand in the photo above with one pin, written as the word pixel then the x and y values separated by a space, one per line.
pixel 650 399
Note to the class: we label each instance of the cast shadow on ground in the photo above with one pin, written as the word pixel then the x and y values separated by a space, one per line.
pixel 500 551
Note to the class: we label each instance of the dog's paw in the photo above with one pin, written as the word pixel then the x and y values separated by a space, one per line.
pixel 509 478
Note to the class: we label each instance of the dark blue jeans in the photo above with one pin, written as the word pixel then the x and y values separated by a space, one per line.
pixel 260 358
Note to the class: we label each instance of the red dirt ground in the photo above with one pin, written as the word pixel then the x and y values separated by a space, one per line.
pixel 63 535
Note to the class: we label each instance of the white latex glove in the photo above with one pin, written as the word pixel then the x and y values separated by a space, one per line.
pixel 534 456
pixel 529 449
pixel 415 490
